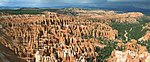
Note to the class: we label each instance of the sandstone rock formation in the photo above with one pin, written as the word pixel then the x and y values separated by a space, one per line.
pixel 53 37
pixel 133 53
pixel 56 37
pixel 146 37
pixel 104 16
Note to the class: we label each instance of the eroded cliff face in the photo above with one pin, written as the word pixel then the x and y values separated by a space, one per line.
pixel 7 55
pixel 56 37
pixel 63 38
pixel 146 37
pixel 104 16
pixel 133 53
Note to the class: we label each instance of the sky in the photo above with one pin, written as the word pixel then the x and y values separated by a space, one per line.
pixel 51 3
pixel 128 0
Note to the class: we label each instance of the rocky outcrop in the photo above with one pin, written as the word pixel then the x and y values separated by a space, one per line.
pixel 133 53
pixel 105 16
pixel 7 55
pixel 146 37
pixel 55 37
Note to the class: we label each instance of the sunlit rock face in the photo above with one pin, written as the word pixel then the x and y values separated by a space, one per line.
pixel 133 53
pixel 146 36
pixel 54 37
pixel 128 17
pixel 57 37
pixel 105 16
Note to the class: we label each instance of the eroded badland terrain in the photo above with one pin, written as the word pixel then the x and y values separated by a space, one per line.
pixel 75 35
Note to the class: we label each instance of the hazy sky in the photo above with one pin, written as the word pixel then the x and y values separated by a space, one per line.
pixel 47 3
pixel 128 0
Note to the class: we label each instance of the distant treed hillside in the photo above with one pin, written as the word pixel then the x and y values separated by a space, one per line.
pixel 26 11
